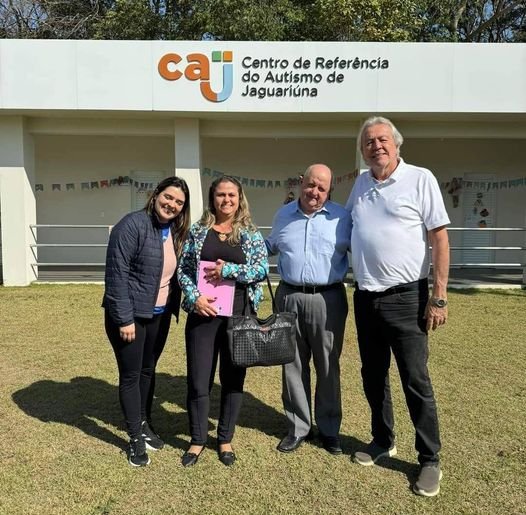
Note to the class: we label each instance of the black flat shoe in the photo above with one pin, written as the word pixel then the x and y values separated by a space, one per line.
pixel 190 458
pixel 226 457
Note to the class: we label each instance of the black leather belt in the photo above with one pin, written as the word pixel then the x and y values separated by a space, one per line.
pixel 311 288
pixel 421 284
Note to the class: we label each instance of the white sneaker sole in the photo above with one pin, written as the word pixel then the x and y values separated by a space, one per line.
pixel 135 465
pixel 150 448
pixel 369 462
pixel 425 493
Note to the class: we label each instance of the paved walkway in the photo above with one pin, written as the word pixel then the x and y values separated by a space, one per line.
pixel 486 278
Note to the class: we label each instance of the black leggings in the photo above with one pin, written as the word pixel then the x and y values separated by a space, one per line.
pixel 206 340
pixel 137 361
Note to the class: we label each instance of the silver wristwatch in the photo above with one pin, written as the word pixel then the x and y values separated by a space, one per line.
pixel 437 302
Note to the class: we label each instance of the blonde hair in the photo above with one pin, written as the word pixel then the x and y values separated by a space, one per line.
pixel 242 219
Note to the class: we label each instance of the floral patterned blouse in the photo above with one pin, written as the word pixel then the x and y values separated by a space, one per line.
pixel 251 273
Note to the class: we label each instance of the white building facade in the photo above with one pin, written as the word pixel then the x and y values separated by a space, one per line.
pixel 87 128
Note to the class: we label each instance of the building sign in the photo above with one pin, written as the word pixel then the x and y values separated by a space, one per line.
pixel 262 77
pixel 266 77
pixel 197 68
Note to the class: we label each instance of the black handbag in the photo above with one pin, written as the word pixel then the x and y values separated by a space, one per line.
pixel 256 342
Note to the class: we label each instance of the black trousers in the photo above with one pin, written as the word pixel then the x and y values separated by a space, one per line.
pixel 393 321
pixel 137 361
pixel 206 341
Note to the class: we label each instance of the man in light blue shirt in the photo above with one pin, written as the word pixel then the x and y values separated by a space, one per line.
pixel 312 237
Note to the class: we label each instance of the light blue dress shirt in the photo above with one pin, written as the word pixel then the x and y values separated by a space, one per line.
pixel 312 249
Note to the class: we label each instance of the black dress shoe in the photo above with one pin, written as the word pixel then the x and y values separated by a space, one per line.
pixel 226 457
pixel 190 458
pixel 291 443
pixel 331 444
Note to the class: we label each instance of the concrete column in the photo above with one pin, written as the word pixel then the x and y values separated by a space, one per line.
pixel 188 161
pixel 17 201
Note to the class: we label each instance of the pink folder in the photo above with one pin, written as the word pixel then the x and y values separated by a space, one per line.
pixel 223 291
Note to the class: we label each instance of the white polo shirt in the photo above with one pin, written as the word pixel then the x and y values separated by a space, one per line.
pixel 390 223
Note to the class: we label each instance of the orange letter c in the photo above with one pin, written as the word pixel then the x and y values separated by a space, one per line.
pixel 163 67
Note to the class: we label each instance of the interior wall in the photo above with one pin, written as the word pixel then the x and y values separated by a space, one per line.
pixel 459 157
pixel 76 159
pixel 276 159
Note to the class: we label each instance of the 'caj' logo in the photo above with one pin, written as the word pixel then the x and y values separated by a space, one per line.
pixel 198 68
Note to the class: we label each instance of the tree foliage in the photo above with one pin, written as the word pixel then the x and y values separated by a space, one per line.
pixel 145 19
pixel 252 20
pixel 480 21
pixel 51 19
pixel 267 20
pixel 367 20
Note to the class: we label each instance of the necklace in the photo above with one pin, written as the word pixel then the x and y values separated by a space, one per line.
pixel 221 234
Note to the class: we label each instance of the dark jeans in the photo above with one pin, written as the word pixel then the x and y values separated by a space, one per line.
pixel 137 361
pixel 393 321
pixel 206 340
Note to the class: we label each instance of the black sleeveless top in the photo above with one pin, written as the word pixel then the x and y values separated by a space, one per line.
pixel 213 249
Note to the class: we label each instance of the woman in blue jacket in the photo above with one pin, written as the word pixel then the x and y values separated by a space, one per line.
pixel 141 294
pixel 225 235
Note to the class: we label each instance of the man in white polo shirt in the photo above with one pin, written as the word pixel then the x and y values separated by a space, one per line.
pixel 398 211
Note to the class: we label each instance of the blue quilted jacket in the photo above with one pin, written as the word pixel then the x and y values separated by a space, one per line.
pixel 134 263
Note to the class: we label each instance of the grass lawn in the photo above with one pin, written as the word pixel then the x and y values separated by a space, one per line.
pixel 63 437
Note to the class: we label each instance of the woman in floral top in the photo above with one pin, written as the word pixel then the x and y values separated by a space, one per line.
pixel 225 235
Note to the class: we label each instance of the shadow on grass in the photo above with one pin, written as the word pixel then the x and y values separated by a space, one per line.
pixel 410 470
pixel 259 416
pixel 82 402
pixel 78 403
pixel 350 445
pixel 255 414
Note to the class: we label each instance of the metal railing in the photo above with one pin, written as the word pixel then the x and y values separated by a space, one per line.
pixel 489 229
pixel 37 245
pixel 105 230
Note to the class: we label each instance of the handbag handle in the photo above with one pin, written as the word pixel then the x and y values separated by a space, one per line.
pixel 274 307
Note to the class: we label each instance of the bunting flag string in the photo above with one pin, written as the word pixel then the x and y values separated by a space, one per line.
pixel 287 183
pixel 121 180
pixel 452 186
pixel 98 185
pixel 456 184
pixel 248 182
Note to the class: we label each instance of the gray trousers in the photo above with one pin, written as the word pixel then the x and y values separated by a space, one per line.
pixel 319 331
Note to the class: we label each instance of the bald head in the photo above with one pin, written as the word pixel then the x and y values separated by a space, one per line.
pixel 315 188
pixel 318 168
